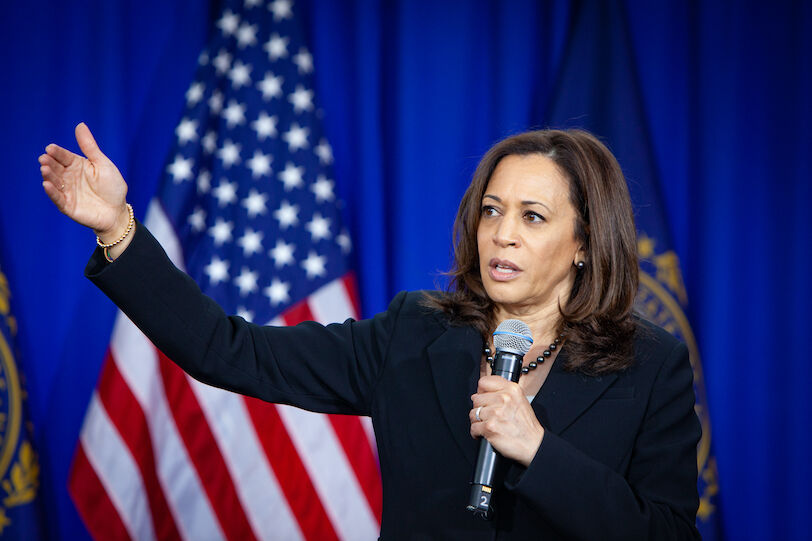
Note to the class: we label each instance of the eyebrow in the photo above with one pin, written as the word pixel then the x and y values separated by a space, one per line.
pixel 499 200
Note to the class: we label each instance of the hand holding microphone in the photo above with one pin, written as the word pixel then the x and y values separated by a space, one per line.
pixel 501 414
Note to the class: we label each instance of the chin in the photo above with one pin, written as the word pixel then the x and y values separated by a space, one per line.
pixel 504 293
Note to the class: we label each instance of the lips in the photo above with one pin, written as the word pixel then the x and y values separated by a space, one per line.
pixel 502 270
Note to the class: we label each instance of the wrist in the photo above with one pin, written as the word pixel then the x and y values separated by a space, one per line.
pixel 533 449
pixel 118 229
pixel 114 248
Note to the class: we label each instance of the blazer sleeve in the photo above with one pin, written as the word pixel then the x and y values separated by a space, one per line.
pixel 329 369
pixel 657 499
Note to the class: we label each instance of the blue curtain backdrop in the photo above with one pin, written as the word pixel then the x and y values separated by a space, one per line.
pixel 413 93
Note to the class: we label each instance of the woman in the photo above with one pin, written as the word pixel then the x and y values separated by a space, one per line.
pixel 599 434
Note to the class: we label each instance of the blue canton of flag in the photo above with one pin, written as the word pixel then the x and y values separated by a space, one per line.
pixel 248 184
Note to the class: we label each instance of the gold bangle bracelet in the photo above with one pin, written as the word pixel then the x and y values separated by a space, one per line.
pixel 130 226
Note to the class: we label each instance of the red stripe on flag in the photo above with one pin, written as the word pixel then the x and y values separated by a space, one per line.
pixel 204 452
pixel 356 446
pixel 352 292
pixel 126 414
pixel 293 478
pixel 90 498
pixel 297 313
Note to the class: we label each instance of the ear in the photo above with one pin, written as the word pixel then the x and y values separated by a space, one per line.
pixel 580 255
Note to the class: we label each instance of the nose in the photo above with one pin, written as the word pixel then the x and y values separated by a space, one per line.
pixel 506 233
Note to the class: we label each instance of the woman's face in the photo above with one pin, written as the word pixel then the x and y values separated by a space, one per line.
pixel 526 236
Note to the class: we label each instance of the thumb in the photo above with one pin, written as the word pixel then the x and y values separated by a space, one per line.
pixel 87 143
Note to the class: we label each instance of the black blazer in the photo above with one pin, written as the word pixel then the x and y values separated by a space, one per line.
pixel 618 458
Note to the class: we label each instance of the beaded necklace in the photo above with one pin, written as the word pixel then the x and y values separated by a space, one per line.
pixel 533 364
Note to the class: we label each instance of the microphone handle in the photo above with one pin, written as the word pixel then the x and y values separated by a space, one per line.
pixel 509 366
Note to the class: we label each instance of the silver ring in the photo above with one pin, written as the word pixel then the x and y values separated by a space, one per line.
pixel 476 413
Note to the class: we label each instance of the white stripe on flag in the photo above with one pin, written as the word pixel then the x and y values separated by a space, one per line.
pixel 161 228
pixel 331 473
pixel 137 361
pixel 116 470
pixel 331 303
pixel 257 487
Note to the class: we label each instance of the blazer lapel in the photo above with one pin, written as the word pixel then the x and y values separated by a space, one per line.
pixel 455 358
pixel 566 395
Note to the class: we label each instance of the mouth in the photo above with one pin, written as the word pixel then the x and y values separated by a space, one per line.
pixel 502 270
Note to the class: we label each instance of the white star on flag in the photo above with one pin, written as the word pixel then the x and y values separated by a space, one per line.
pixel 222 62
pixel 270 86
pixel 203 181
pixel 186 131
pixel 228 23
pixel 319 227
pixel 217 270
pixel 250 242
pixel 296 137
pixel 278 292
pixel 281 9
pixel 259 164
pixel 322 189
pixel 303 60
pixel 246 281
pixel 314 265
pixel 287 215
pixel 180 169
pixel 240 74
pixel 216 102
pixel 265 126
pixel 234 114
pixel 209 142
pixel 229 154
pixel 324 152
pixel 302 99
pixel 291 176
pixel 246 35
pixel 225 192
pixel 282 253
pixel 343 240
pixel 197 219
pixel 245 313
pixel 277 47
pixel 255 203
pixel 221 231
pixel 194 94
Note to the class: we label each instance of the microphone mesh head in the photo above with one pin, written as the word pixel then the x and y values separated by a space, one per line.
pixel 513 335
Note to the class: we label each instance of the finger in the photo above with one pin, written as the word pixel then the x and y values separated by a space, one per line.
pixel 54 194
pixel 50 161
pixel 87 143
pixel 493 383
pixel 49 175
pixel 62 155
pixel 472 415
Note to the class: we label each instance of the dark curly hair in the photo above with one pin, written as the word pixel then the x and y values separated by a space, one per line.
pixel 597 318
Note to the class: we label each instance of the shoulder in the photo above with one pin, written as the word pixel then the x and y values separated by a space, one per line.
pixel 656 348
pixel 652 339
pixel 410 309
pixel 415 304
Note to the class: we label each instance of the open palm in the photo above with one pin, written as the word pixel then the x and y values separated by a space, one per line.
pixel 90 189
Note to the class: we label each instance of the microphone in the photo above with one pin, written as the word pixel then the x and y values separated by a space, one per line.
pixel 512 339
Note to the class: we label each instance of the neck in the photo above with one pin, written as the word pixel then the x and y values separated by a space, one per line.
pixel 542 321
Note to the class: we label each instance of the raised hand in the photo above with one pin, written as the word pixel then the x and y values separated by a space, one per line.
pixel 89 190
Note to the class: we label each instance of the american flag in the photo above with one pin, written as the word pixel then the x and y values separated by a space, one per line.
pixel 247 207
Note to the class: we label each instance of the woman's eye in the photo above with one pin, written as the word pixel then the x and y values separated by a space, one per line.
pixel 533 217
pixel 488 210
